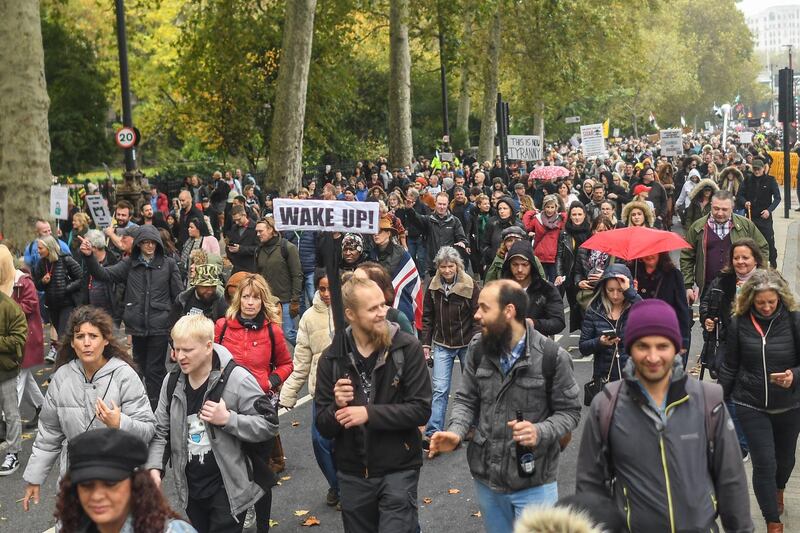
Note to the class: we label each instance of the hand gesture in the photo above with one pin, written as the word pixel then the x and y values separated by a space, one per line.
pixel 624 282
pixel 343 392
pixel 524 433
pixel 443 442
pixel 215 413
pixel 352 416
pixel 31 493
pixel 86 246
pixel 559 280
pixel 108 416
pixel 46 279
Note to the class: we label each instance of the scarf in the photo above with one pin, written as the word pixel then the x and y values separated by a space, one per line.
pixel 483 220
pixel 743 279
pixel 552 222
pixel 579 233
pixel 255 323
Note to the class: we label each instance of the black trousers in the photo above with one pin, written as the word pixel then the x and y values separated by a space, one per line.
pixel 772 440
pixel 385 504
pixel 765 227
pixel 149 353
pixel 213 514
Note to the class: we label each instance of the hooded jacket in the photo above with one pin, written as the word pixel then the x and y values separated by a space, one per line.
pixel 730 179
pixel 150 287
pixel 495 229
pixel 695 211
pixel 545 244
pixel 491 398
pixel 65 281
pixel 545 305
pixel 314 335
pixel 596 321
pixel 285 276
pixel 649 217
pixel 13 331
pixel 244 425
pixel 398 404
pixel 448 319
pixel 663 479
pixel 69 410
pixel 24 293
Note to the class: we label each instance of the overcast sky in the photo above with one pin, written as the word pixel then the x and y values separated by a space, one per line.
pixel 752 7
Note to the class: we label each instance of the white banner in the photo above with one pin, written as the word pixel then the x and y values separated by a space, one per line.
pixel 671 142
pixel 99 210
pixel 746 137
pixel 524 147
pixel 326 215
pixel 594 145
pixel 58 202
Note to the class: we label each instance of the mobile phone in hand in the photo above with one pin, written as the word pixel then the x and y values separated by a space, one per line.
pixel 610 333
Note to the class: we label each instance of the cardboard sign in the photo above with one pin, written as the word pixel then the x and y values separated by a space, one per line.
pixel 616 132
pixel 447 156
pixel 572 120
pixel 746 137
pixel 524 147
pixel 99 210
pixel 671 142
pixel 58 202
pixel 594 144
pixel 708 125
pixel 326 215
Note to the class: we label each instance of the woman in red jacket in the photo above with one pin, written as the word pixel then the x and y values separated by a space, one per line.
pixel 251 331
pixel 547 226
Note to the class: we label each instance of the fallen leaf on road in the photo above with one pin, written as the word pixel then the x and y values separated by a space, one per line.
pixel 286 478
pixel 295 423
pixel 301 512
pixel 477 514
pixel 427 501
pixel 27 436
pixel 310 521
pixel 453 491
pixel 40 372
pixel 273 523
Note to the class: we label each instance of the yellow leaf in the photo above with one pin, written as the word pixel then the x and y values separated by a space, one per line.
pixel 310 521
pixel 453 491
pixel 477 514
pixel 295 423
pixel 427 501
pixel 286 478
pixel 27 436
pixel 273 523
pixel 301 512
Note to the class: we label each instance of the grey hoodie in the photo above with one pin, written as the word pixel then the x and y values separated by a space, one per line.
pixel 245 424
pixel 663 480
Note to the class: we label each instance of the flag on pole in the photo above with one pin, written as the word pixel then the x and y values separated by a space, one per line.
pixel 606 124
pixel 408 290
pixel 683 122
pixel 653 120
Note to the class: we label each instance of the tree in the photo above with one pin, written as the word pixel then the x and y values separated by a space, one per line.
pixel 286 144
pixel 24 140
pixel 401 149
pixel 78 105
pixel 491 83
pixel 464 102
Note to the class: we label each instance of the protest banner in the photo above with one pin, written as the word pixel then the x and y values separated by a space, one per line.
pixel 746 137
pixel 524 147
pixel 99 210
pixel 594 144
pixel 708 126
pixel 58 202
pixel 671 142
pixel 616 132
pixel 573 120
pixel 326 215
pixel 446 156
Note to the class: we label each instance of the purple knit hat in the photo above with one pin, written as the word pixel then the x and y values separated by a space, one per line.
pixel 652 317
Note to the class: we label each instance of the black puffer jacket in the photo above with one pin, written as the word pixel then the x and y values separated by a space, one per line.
pixel 150 289
pixel 545 306
pixel 744 375
pixel 65 281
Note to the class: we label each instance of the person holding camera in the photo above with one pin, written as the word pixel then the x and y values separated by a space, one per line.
pixel 604 324
pixel 759 375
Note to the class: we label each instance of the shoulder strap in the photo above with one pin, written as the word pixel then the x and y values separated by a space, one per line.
pixel 224 329
pixel 713 401
pixel 549 362
pixel 284 249
pixel 216 393
pixel 171 384
pixel 477 356
pixel 399 358
pixel 272 364
pixel 610 395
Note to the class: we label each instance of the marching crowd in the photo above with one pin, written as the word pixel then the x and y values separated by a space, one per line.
pixel 179 330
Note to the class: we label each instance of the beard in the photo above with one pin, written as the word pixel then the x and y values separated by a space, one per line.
pixel 496 337
pixel 380 336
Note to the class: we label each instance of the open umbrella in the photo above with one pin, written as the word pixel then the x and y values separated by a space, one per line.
pixel 635 242
pixel 549 172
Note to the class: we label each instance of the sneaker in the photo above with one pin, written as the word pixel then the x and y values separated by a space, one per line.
pixel 746 458
pixel 250 518
pixel 51 355
pixel 332 498
pixel 10 465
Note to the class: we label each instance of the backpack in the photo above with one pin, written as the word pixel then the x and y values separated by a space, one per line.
pixel 549 360
pixel 257 452
pixel 712 409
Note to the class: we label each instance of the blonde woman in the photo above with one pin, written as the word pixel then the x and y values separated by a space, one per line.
pixel 60 277
pixel 80 225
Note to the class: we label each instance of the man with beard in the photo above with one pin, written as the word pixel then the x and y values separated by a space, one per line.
pixel 510 367
pixel 204 298
pixel 373 392
pixel 666 440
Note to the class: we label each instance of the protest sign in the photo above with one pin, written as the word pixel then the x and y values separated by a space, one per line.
pixel 524 147
pixel 447 156
pixel 671 142
pixel 58 202
pixel 616 132
pixel 746 137
pixel 594 145
pixel 326 215
pixel 573 120
pixel 99 210
pixel 708 125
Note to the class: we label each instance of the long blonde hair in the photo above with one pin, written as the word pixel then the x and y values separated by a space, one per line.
pixel 7 270
pixel 764 280
pixel 258 285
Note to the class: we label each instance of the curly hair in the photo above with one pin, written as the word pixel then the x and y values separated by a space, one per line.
pixel 764 280
pixel 98 318
pixel 149 508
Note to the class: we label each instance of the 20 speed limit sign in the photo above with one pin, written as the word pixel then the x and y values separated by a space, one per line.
pixel 126 138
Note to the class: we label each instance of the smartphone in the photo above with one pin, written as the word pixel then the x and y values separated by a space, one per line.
pixel 610 333
pixel 773 378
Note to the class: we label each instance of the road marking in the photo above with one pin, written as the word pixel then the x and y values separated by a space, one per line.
pixel 305 399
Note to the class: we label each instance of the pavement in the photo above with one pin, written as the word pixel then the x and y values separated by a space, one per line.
pixel 446 492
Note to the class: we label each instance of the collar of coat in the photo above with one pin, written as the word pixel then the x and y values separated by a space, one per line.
pixel 738 223
pixel 463 286
pixel 677 384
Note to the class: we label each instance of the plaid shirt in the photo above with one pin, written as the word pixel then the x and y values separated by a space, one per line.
pixel 721 230
pixel 508 359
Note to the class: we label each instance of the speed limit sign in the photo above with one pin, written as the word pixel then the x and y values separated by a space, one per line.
pixel 126 137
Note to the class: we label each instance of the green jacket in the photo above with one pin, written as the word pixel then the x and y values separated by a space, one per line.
pixel 13 332
pixel 693 260
pixel 279 262
pixel 495 269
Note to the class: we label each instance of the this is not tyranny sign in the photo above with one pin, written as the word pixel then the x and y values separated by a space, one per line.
pixel 524 147
pixel 323 215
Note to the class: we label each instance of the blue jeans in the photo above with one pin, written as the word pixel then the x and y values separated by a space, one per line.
pixel 417 251
pixel 499 510
pixel 738 426
pixel 307 296
pixel 289 332
pixel 323 451
pixel 443 359
pixel 549 271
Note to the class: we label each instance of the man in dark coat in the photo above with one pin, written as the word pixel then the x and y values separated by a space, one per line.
pixel 188 212
pixel 242 242
pixel 760 194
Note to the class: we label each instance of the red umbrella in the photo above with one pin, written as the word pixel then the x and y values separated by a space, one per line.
pixel 549 172
pixel 635 242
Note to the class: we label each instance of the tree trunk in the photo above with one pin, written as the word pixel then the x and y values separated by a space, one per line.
pixel 401 148
pixel 24 137
pixel 488 117
pixel 285 166
pixel 462 115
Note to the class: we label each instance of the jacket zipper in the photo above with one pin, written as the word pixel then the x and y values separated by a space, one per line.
pixel 627 506
pixel 764 363
pixel 664 465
